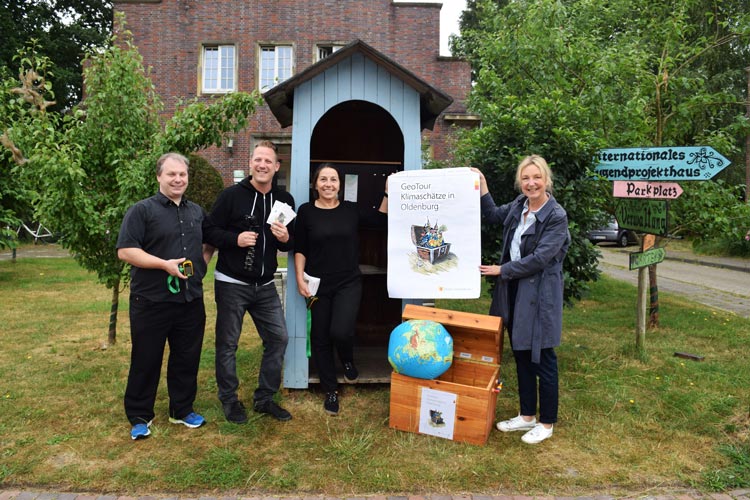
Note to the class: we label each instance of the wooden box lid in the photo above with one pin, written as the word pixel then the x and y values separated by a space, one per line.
pixel 476 337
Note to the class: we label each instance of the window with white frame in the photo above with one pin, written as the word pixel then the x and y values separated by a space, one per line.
pixel 275 65
pixel 218 69
pixel 325 49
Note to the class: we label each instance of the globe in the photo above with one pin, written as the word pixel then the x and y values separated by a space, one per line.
pixel 420 348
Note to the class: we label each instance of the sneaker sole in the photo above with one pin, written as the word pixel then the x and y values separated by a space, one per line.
pixel 189 426
pixel 280 419
pixel 350 380
pixel 237 421
pixel 515 429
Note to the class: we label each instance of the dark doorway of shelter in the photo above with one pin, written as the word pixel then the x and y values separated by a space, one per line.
pixel 366 145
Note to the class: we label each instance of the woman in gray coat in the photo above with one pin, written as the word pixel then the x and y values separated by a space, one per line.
pixel 529 291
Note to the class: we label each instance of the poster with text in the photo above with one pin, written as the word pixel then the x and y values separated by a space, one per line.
pixel 434 241
pixel 437 413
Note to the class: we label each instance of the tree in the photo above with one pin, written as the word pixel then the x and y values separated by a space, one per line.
pixel 89 166
pixel 16 199
pixel 65 30
pixel 531 91
pixel 627 73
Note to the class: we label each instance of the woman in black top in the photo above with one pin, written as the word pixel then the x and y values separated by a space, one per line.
pixel 327 247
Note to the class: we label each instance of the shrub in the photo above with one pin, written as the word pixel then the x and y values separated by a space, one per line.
pixel 714 216
pixel 205 182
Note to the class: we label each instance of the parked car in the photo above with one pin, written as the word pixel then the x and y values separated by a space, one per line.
pixel 612 233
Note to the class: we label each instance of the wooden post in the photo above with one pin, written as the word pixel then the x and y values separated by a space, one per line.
pixel 640 325
pixel 643 295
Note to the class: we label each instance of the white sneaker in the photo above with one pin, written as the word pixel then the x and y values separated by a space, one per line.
pixel 538 434
pixel 516 424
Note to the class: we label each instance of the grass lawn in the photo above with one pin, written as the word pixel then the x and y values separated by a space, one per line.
pixel 628 424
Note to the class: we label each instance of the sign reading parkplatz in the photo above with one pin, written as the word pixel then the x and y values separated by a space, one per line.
pixel 689 163
pixel 646 189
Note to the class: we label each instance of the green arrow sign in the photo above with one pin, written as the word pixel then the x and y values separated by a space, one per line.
pixel 648 216
pixel 647 258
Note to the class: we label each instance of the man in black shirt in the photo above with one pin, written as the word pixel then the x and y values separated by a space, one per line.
pixel 244 282
pixel 161 237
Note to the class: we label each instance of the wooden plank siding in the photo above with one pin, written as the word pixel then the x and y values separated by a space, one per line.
pixel 353 78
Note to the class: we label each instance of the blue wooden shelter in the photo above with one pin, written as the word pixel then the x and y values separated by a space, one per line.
pixel 364 112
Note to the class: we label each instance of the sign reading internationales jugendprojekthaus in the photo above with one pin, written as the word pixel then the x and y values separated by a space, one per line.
pixel 434 240
pixel 689 163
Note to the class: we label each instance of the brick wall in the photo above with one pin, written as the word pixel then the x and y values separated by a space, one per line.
pixel 170 34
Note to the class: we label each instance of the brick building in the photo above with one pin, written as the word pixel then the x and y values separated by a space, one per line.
pixel 201 48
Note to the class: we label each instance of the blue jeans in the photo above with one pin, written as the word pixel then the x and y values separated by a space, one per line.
pixel 263 304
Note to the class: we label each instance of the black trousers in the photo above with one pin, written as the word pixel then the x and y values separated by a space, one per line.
pixel 541 377
pixel 334 318
pixel 152 326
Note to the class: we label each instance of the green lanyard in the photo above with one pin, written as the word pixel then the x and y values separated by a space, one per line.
pixel 173 284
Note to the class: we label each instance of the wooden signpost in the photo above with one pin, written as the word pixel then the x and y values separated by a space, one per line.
pixel 647 258
pixel 641 183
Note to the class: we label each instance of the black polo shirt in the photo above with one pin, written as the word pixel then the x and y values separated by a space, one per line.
pixel 159 227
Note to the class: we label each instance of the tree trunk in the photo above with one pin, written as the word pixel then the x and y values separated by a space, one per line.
pixel 653 321
pixel 112 335
pixel 747 142
pixel 649 241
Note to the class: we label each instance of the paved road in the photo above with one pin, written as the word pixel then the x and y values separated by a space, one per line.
pixel 723 283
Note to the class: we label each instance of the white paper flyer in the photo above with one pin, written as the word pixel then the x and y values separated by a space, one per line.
pixel 312 283
pixel 281 212
pixel 437 413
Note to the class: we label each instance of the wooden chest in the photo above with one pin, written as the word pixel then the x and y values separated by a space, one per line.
pixel 460 404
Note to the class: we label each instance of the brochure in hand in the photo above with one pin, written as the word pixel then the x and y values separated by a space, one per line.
pixel 281 212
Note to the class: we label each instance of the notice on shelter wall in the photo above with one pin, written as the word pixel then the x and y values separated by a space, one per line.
pixel 437 413
pixel 351 186
pixel 434 240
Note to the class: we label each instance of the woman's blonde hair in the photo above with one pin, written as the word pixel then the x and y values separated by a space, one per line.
pixel 540 163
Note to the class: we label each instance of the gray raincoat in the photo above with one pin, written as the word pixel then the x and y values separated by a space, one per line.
pixel 537 321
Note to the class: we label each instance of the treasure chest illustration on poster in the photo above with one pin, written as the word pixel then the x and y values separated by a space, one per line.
pixel 429 242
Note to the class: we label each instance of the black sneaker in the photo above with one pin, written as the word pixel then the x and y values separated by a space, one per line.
pixel 272 409
pixel 331 404
pixel 235 412
pixel 350 372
